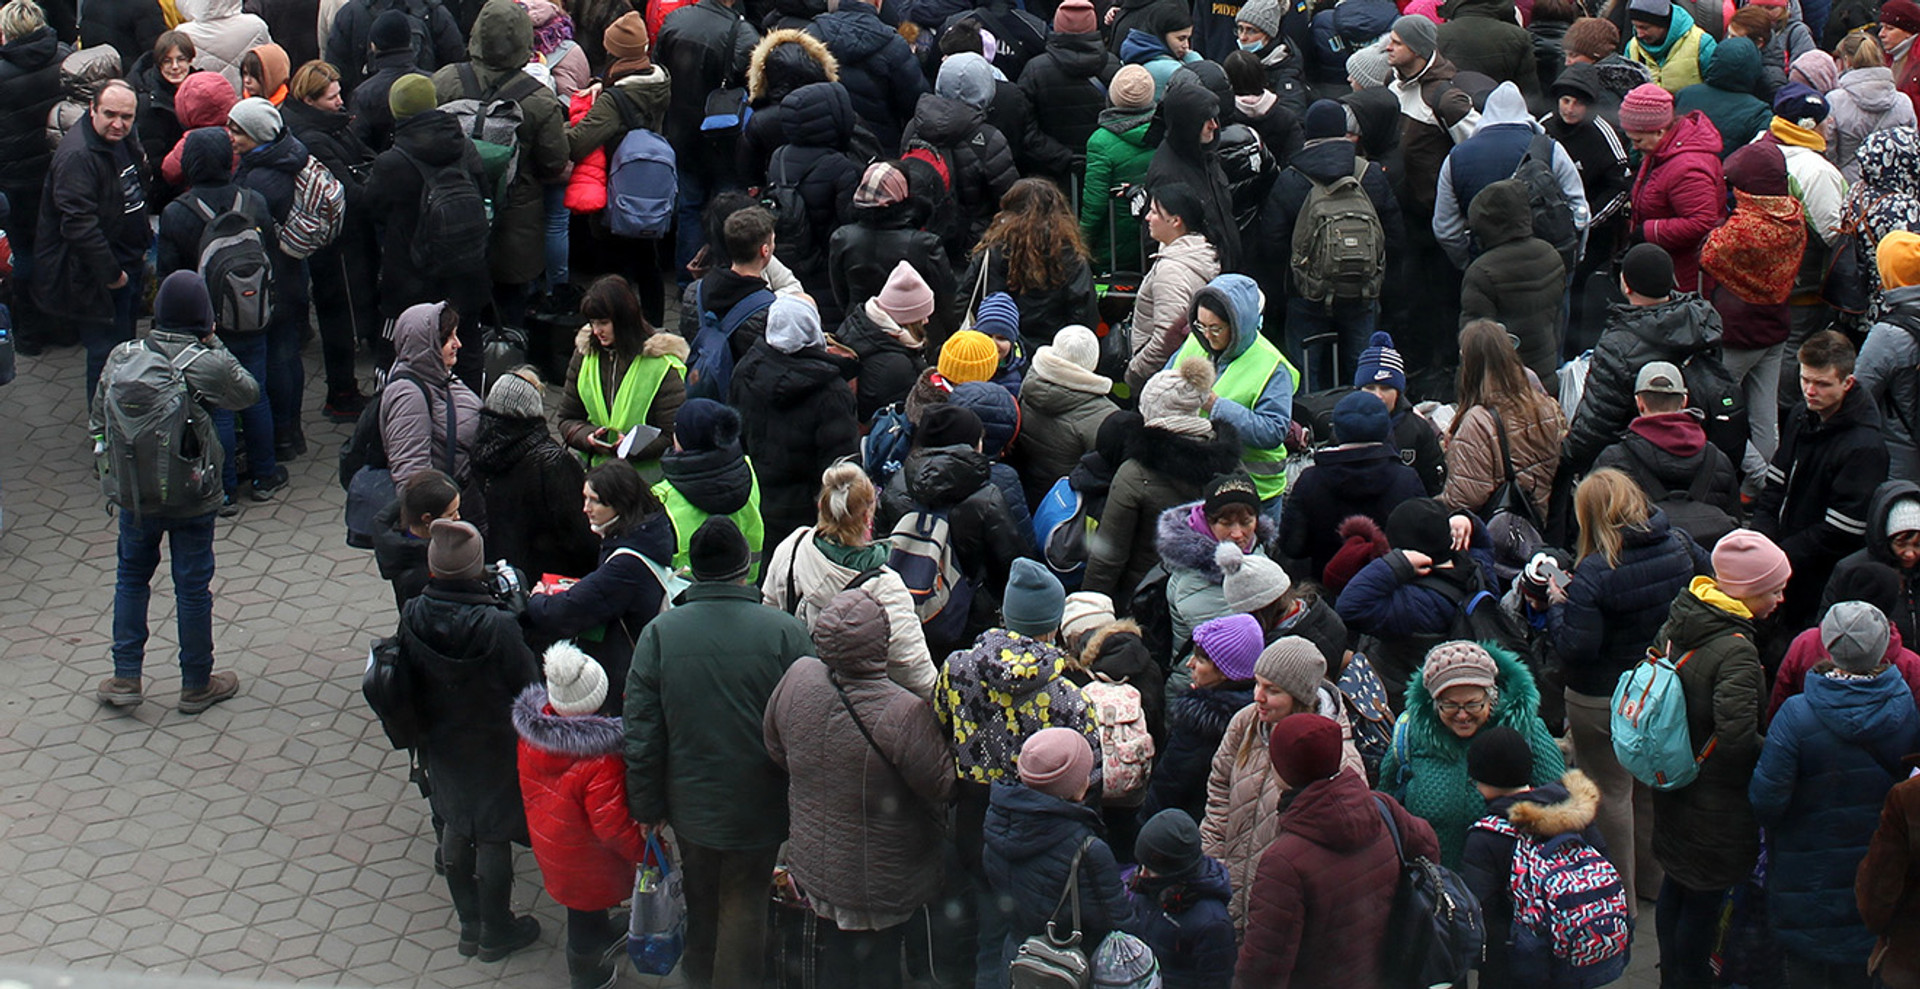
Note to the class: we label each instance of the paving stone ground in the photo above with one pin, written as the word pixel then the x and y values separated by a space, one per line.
pixel 273 838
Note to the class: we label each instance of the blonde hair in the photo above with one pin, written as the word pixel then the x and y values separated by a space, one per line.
pixel 1605 503
pixel 311 80
pixel 1859 50
pixel 846 502
pixel 20 18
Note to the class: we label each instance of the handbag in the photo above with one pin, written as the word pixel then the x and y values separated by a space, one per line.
pixel 979 293
pixel 1512 521
pixel 1047 961
pixel 657 927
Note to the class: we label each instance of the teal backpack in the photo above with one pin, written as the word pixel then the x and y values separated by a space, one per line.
pixel 1650 734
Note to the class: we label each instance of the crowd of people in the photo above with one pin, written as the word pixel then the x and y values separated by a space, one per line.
pixel 934 464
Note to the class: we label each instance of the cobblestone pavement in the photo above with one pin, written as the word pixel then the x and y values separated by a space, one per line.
pixel 271 838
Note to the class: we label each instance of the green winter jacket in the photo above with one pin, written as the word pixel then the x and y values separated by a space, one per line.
pixel 1436 786
pixel 696 698
pixel 1117 154
pixel 1725 95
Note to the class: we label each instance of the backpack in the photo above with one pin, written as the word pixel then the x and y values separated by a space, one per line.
pixel 1688 510
pixel 158 450
pixel 1513 524
pixel 1651 737
pixel 1435 932
pixel 923 557
pixel 1368 711
pixel 792 225
pixel 366 474
pixel 1479 617
pixel 1060 527
pixel 1126 749
pixel 1149 609
pixel 1719 395
pixel 388 688
pixel 888 441
pixel 318 213
pixel 451 231
pixel 1571 929
pixel 419 29
pixel 643 188
pixel 1552 213
pixel 672 583
pixel 710 362
pixel 236 267
pixel 727 108
pixel 491 119
pixel 1339 247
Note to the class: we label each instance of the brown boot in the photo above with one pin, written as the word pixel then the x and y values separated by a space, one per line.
pixel 219 687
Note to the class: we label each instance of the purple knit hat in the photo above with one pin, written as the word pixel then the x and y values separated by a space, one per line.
pixel 1232 643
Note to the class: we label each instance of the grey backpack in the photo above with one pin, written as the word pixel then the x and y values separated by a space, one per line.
pixel 157 453
pixel 235 266
pixel 1339 246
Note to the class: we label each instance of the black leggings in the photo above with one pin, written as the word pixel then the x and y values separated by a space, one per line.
pixel 480 876
pixel 589 932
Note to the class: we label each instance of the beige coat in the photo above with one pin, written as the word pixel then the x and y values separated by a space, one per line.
pixel 1474 470
pixel 1179 270
pixel 817 580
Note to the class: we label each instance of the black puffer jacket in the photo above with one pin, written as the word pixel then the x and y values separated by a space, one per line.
pixel 329 136
pixel 1116 653
pixel 818 121
pixel 372 116
pixel 978 158
pixel 1185 109
pixel 700 46
pixel 1365 480
pixel 29 88
pixel 1484 36
pixel 799 418
pixel 1518 279
pixel 1613 611
pixel 130 27
pixel 469 663
pixel 1879 552
pixel 1635 335
pixel 1163 469
pixel 876 66
pixel 862 254
pixel 888 366
pixel 1067 87
pixel 959 480
pixel 1196 721
pixel 782 62
pixel 393 200
pixel 531 487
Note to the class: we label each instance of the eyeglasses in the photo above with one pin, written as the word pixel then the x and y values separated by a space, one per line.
pixel 1448 709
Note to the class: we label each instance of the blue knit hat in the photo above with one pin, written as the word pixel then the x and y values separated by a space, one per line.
pixel 998 317
pixel 1361 418
pixel 1034 600
pixel 1380 364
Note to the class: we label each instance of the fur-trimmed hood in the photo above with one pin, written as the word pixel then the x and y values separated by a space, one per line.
pixel 1573 812
pixel 1192 459
pixel 1097 640
pixel 660 344
pixel 784 61
pixel 582 737
pixel 1519 700
pixel 1182 546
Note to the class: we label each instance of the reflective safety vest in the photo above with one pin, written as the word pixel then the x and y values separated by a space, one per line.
pixel 1244 380
pixel 1682 67
pixel 631 402
pixel 686 518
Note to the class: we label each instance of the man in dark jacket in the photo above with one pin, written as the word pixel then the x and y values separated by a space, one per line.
pixel 1483 36
pixel 92 241
pixel 29 90
pixel 1579 123
pixel 1067 84
pixel 294 25
pixel 1192 114
pixel 1341 30
pixel 433 37
pixel 425 140
pixel 799 414
pixel 130 28
pixel 1506 134
pixel 1656 324
pixel 390 45
pixel 703 47
pixel 270 163
pixel 182 333
pixel 1666 448
pixel 1382 373
pixel 749 244
pixel 818 122
pixel 1518 280
pixel 951 122
pixel 1434 115
pixel 1361 475
pixel 876 66
pixel 1832 456
pixel 696 757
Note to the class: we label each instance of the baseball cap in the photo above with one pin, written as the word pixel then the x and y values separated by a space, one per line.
pixel 1660 378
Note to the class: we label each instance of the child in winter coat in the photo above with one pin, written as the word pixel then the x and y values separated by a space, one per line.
pixel 1221 665
pixel 1182 897
pixel 573 780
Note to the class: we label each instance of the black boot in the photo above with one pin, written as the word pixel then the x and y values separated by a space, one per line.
pixel 594 970
pixel 497 941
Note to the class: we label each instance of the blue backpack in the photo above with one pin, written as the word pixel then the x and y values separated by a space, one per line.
pixel 1060 527
pixel 1649 724
pixel 888 441
pixel 923 556
pixel 710 363
pixel 642 179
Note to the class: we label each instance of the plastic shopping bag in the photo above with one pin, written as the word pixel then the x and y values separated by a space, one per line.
pixel 657 928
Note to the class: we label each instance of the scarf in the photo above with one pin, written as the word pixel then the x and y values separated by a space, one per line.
pixel 1790 133
pixel 1049 365
pixel 1258 105
pixel 887 325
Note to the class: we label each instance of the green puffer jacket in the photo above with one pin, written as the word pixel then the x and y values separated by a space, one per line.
pixel 696 698
pixel 1117 154
pixel 1705 834
pixel 1437 786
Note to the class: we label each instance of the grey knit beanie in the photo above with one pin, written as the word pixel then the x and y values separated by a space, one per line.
pixel 1294 665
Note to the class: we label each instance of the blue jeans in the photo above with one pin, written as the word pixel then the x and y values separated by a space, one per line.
pixel 558 216
pixel 286 376
pixel 100 337
pixel 191 545
pixel 250 349
pixel 690 234
pixel 1351 323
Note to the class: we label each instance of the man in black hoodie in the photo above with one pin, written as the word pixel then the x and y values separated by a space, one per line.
pixel 1579 123
pixel 390 56
pixel 1190 113
pixel 1067 84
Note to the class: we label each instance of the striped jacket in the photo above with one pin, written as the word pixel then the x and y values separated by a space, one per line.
pixel 1818 489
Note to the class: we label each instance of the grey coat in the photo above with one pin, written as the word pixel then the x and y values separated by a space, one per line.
pixel 1886 372
pixel 216 380
pixel 413 420
pixel 1865 102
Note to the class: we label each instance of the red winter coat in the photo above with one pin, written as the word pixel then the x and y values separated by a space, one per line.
pixel 1806 652
pixel 587 187
pixel 1680 195
pixel 197 103
pixel 1317 915
pixel 574 783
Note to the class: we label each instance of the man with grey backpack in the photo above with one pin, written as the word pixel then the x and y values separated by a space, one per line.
pixel 159 462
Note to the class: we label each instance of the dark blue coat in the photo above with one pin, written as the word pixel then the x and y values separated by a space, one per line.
pixel 1030 841
pixel 1401 615
pixel 1188 927
pixel 1832 754
pixel 1343 29
pixel 817 120
pixel 1364 480
pixel 1612 613
pixel 621 594
pixel 1196 721
pixel 876 66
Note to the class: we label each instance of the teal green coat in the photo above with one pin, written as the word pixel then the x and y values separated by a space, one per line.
pixel 1438 788
pixel 696 698
pixel 1117 154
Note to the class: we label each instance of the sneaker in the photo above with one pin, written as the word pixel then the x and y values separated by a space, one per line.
pixel 119 692
pixel 344 406
pixel 496 944
pixel 266 487
pixel 219 687
pixel 229 508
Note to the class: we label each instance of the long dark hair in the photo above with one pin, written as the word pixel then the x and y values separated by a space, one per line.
pixel 1491 373
pixel 611 297
pixel 618 486
pixel 1036 232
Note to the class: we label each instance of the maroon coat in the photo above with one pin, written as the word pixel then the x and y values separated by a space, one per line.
pixel 1680 195
pixel 1317 915
pixel 574 782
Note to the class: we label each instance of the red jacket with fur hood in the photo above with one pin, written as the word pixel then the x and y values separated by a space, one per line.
pixel 573 780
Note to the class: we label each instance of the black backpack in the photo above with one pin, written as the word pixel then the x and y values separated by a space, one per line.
pixel 1688 510
pixel 451 232
pixel 793 237
pixel 235 265
pixel 1478 616
pixel 388 688
pixel 1714 390
pixel 1552 213
pixel 1436 932
pixel 419 29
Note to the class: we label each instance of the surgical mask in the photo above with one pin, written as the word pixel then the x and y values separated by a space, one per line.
pixel 1251 47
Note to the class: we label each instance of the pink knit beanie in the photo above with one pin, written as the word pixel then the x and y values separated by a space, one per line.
pixel 906 297
pixel 1647 109
pixel 1057 761
pixel 1747 564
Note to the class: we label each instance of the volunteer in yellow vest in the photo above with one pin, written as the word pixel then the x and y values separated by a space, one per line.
pixel 706 475
pixel 623 375
pixel 1668 42
pixel 1254 383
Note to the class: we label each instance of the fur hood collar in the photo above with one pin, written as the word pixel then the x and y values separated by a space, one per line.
pixel 773 73
pixel 582 737
pixel 1192 459
pixel 1573 812
pixel 1090 650
pixel 1184 547
pixel 1519 701
pixel 660 344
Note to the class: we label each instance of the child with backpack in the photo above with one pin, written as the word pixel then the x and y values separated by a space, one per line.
pixel 1523 820
pixel 1127 691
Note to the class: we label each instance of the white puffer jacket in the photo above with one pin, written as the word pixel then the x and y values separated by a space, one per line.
pixel 222 33
pixel 816 580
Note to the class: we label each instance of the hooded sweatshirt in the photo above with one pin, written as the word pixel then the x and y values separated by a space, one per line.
pixel 1186 108
pixel 1725 95
pixel 1865 102
pixel 1493 153
pixel 221 34
pixel 420 395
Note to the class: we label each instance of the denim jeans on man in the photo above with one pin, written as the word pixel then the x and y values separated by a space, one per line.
pixel 100 337
pixel 1352 325
pixel 250 349
pixel 190 544
pixel 287 328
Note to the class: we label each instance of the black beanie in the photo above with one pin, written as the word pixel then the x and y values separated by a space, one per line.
pixel 1169 844
pixel 182 305
pixel 390 32
pixel 1421 524
pixel 1500 757
pixel 719 552
pixel 947 424
pixel 1648 270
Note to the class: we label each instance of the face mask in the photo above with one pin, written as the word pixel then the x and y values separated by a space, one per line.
pixel 1251 47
